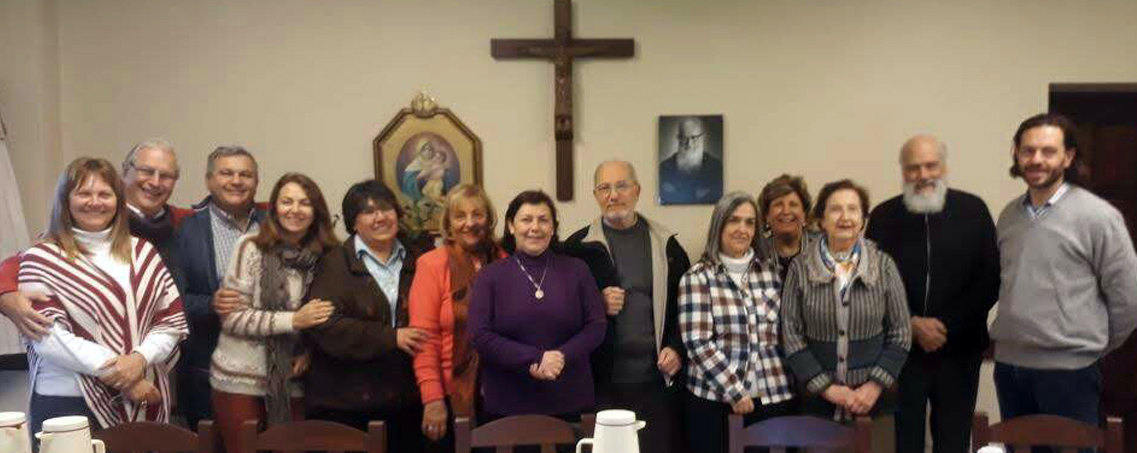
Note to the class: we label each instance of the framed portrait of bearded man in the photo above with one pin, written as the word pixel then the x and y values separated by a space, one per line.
pixel 420 155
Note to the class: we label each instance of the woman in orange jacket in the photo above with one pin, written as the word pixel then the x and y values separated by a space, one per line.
pixel 447 366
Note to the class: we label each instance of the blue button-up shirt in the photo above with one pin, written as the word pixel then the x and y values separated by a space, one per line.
pixel 1036 213
pixel 386 274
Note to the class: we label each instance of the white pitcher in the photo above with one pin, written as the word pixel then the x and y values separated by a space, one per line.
pixel 615 433
pixel 14 436
pixel 70 434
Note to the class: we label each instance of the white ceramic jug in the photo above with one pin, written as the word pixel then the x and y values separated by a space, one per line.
pixel 70 434
pixel 615 433
pixel 992 448
pixel 14 436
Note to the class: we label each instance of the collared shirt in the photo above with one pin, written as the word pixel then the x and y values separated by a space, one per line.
pixel 1036 213
pixel 226 232
pixel 386 274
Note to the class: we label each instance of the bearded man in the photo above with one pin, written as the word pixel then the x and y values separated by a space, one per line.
pixel 943 241
pixel 1069 281
pixel 637 264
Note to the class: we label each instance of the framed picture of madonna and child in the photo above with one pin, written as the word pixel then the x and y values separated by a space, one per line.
pixel 423 153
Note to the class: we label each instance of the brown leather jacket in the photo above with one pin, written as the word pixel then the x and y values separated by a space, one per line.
pixel 356 365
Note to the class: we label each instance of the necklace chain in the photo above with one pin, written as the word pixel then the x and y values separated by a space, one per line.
pixel 539 293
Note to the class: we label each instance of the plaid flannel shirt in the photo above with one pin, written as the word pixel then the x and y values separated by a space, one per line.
pixel 728 330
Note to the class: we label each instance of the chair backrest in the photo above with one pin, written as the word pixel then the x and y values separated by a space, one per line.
pixel 1047 430
pixel 801 432
pixel 314 435
pixel 506 433
pixel 143 437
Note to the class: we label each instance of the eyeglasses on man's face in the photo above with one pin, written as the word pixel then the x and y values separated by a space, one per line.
pixel 621 188
pixel 147 172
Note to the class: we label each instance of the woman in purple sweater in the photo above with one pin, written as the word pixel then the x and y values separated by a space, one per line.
pixel 534 319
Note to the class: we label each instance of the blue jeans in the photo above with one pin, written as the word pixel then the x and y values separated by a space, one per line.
pixel 1073 394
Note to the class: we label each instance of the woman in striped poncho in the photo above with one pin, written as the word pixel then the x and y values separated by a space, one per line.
pixel 117 316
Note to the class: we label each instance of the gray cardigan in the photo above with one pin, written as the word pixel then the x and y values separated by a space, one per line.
pixel 1069 283
pixel 875 341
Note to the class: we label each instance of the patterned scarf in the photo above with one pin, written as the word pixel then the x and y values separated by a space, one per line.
pixel 280 349
pixel 842 265
pixel 463 267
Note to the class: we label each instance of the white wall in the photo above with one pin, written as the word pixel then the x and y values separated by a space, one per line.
pixel 826 89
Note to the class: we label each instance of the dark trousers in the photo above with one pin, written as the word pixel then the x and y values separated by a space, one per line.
pixel 194 395
pixel 950 384
pixel 404 425
pixel 1074 394
pixel 706 421
pixel 45 407
pixel 653 403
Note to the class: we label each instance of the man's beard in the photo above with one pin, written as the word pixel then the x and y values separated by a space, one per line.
pixel 620 217
pixel 689 158
pixel 1052 177
pixel 925 202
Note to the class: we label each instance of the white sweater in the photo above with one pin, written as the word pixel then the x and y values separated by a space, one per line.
pixel 238 364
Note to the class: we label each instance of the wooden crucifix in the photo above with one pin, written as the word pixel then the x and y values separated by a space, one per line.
pixel 562 50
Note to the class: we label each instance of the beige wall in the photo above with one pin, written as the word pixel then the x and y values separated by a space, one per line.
pixel 823 88
pixel 29 100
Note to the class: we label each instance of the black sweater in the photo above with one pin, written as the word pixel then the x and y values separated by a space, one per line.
pixel 964 273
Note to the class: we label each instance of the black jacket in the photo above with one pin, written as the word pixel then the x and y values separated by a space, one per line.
pixel 588 245
pixel 356 363
pixel 964 271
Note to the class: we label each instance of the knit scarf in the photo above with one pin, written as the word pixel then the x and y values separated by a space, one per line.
pixel 280 349
pixel 464 373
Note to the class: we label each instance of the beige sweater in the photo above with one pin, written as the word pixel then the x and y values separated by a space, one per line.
pixel 238 364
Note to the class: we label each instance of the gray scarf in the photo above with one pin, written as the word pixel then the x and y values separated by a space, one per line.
pixel 280 349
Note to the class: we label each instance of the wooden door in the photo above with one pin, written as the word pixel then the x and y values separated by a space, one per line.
pixel 1106 117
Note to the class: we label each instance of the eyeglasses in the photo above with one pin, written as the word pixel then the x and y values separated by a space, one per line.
pixel 622 188
pixel 149 172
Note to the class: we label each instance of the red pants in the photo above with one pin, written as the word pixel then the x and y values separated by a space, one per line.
pixel 231 410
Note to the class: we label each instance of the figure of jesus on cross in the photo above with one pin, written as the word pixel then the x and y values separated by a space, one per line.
pixel 562 50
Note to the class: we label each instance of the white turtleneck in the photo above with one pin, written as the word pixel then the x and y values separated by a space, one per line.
pixel 737 267
pixel 65 354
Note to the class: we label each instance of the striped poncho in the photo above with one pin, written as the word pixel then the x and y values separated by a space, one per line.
pixel 90 304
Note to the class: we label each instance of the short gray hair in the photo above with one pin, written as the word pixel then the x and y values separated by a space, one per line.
pixel 723 209
pixel 153 143
pixel 940 145
pixel 228 151
pixel 631 169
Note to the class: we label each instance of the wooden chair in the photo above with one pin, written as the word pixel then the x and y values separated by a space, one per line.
pixel 314 435
pixel 1047 430
pixel 142 437
pixel 800 432
pixel 509 432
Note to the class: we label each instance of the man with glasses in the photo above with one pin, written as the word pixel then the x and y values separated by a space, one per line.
pixel 691 175
pixel 637 264
pixel 149 174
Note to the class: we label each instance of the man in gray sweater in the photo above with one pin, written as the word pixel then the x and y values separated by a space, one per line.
pixel 1069 281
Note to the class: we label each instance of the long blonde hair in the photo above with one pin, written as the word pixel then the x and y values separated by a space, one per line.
pixel 464 192
pixel 59 230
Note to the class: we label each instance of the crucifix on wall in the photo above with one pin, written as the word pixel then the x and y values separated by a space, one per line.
pixel 562 50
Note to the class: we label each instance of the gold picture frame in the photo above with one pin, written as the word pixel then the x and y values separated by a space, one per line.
pixel 422 153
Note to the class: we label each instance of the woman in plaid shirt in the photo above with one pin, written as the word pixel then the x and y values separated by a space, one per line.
pixel 728 315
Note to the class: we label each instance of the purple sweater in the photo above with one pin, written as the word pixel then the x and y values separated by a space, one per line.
pixel 511 329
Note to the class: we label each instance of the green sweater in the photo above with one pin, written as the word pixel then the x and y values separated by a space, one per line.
pixel 1069 283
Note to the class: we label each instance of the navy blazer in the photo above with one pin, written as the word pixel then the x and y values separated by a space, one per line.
pixel 197 281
